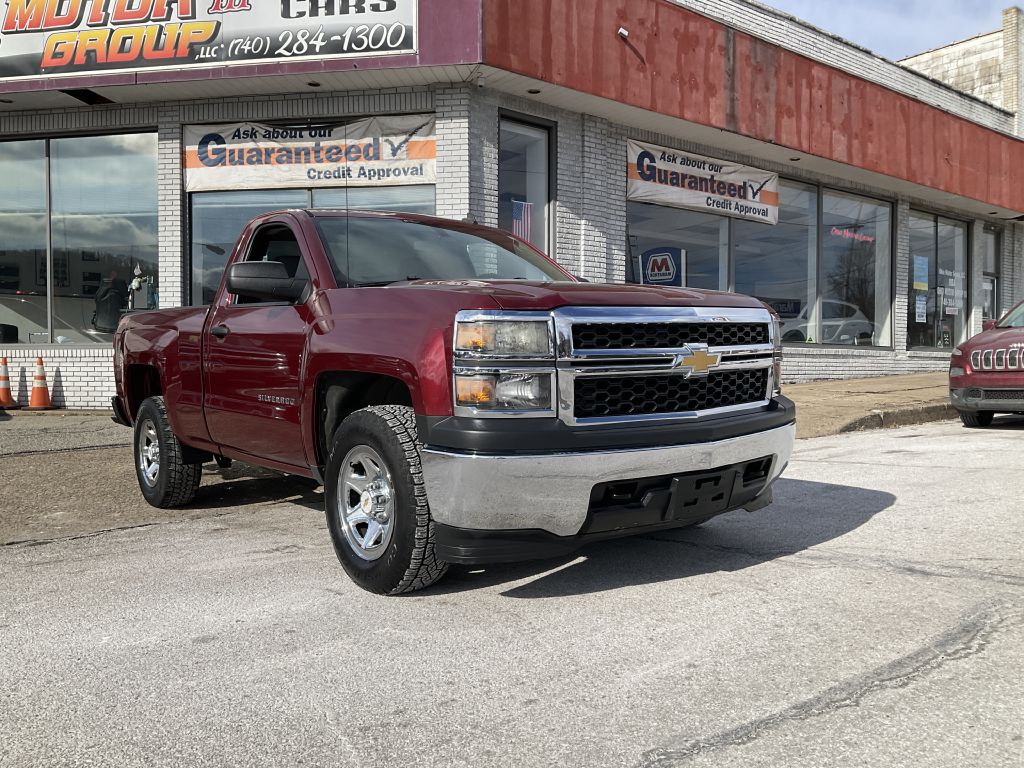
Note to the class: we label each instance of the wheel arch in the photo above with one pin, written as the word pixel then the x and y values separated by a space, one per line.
pixel 141 381
pixel 341 393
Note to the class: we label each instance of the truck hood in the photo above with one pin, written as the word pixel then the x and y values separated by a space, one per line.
pixel 530 295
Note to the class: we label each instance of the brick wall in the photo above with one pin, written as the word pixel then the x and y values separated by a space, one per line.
pixel 973 66
pixel 79 378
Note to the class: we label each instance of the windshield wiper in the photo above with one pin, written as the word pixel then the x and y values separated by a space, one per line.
pixel 382 283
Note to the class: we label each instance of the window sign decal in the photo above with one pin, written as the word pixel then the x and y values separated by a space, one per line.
pixel 386 151
pixel 920 273
pixel 669 177
pixel 663 266
pixel 64 37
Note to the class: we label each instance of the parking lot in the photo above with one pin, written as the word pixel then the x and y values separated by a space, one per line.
pixel 873 616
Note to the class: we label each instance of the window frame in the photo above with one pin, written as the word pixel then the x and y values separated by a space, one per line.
pixel 551 204
pixel 935 215
pixel 820 190
pixel 996 276
pixel 47 139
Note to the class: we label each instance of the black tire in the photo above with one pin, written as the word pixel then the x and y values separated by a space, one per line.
pixel 976 419
pixel 403 560
pixel 169 482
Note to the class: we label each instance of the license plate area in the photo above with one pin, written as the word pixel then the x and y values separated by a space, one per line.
pixel 677 499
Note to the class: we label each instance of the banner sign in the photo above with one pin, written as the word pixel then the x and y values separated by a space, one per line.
pixel 57 37
pixel 378 151
pixel 667 177
pixel 663 266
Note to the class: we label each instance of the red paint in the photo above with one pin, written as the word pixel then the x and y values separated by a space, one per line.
pixel 679 63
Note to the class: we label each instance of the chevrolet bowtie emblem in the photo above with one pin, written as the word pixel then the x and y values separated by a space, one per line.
pixel 699 362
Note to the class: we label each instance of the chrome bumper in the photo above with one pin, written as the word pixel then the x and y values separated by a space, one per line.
pixel 551 492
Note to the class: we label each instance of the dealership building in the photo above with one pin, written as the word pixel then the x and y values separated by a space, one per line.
pixel 712 145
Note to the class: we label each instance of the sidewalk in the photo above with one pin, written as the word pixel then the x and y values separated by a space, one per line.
pixel 823 408
pixel 831 407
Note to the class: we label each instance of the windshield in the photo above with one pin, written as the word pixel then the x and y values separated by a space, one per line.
pixel 1015 319
pixel 368 251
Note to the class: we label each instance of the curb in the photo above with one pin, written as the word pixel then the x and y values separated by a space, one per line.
pixel 900 417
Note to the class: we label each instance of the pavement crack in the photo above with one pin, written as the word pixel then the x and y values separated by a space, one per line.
pixel 968 638
pixel 77 537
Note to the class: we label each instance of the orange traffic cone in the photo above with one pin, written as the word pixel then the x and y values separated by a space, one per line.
pixel 7 401
pixel 40 393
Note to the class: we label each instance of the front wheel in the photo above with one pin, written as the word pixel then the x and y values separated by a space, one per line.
pixel 377 509
pixel 976 418
pixel 165 480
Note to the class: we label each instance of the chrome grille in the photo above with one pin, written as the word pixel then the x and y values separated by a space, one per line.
pixel 628 336
pixel 605 396
pixel 620 364
pixel 1011 359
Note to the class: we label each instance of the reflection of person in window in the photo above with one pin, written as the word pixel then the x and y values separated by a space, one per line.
pixel 111 298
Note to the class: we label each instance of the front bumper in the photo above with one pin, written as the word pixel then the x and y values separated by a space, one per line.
pixel 974 399
pixel 551 493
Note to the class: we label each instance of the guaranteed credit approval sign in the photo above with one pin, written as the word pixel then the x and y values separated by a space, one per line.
pixel 59 37
pixel 669 177
pixel 379 151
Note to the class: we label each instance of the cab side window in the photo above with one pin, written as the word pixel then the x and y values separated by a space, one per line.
pixel 276 242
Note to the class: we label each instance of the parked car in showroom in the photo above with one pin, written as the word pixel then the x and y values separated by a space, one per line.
pixel 986 374
pixel 462 397
pixel 841 323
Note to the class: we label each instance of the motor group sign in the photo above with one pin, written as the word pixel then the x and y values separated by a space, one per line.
pixel 56 37
pixel 668 177
pixel 373 152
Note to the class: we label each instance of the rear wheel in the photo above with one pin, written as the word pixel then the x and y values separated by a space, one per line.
pixel 976 418
pixel 165 480
pixel 377 509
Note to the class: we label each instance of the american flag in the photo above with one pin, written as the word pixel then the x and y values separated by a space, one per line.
pixel 521 219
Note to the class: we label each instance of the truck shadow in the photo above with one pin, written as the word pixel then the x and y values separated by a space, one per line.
pixel 805 514
pixel 244 484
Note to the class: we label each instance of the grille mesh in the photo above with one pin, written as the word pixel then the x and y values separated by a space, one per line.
pixel 1003 394
pixel 609 397
pixel 666 335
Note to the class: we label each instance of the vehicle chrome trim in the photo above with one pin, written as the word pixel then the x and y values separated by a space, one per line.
pixel 638 362
pixel 551 492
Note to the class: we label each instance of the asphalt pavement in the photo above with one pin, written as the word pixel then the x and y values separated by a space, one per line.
pixel 873 616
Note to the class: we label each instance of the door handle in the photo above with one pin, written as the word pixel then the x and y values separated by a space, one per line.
pixel 220 331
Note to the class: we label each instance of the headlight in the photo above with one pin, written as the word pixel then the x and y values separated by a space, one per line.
pixel 504 391
pixel 957 352
pixel 501 338
pixel 956 371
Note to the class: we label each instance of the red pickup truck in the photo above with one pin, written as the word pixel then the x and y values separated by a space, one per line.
pixel 462 398
pixel 986 374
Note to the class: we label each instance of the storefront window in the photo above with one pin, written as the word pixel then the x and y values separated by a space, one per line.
pixel 104 234
pixel 699 242
pixel 991 247
pixel 856 267
pixel 777 264
pixel 218 219
pixel 523 185
pixel 937 307
pixel 102 254
pixel 23 308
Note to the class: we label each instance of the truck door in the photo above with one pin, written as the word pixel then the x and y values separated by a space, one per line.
pixel 252 359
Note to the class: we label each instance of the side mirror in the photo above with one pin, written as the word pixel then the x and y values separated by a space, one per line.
pixel 267 280
pixel 988 325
